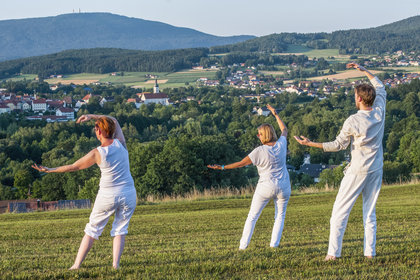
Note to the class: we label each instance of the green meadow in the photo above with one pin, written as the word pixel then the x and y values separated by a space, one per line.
pixel 139 79
pixel 199 240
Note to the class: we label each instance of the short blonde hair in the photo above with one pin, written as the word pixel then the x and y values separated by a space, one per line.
pixel 267 133
pixel 106 125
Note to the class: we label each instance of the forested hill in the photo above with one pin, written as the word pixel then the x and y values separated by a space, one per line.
pixel 401 35
pixel 38 36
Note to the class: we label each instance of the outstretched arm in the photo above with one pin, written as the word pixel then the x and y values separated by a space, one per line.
pixel 281 124
pixel 85 162
pixel 244 162
pixel 118 131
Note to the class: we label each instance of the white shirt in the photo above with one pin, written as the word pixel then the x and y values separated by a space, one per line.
pixel 365 131
pixel 271 162
pixel 115 169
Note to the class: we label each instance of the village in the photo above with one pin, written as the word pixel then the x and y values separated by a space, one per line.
pixel 240 77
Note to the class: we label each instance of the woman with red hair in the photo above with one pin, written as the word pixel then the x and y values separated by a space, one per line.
pixel 116 188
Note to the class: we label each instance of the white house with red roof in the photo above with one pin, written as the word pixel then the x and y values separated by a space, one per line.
pixel 136 101
pixel 157 98
pixel 39 105
pixel 4 108
pixel 65 112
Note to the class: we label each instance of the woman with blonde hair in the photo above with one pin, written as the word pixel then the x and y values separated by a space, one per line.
pixel 274 181
pixel 116 188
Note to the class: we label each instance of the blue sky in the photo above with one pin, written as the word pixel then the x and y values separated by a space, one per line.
pixel 232 17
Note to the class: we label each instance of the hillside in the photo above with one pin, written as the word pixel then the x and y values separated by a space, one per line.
pixel 38 36
pixel 200 239
pixel 401 35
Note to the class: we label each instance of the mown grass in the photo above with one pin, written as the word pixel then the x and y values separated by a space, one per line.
pixel 200 239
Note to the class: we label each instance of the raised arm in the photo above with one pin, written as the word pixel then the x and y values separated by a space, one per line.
pixel 118 131
pixel 281 124
pixel 85 162
pixel 244 162
pixel 361 69
pixel 380 99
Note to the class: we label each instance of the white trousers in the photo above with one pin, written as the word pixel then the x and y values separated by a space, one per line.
pixel 262 195
pixel 123 205
pixel 350 188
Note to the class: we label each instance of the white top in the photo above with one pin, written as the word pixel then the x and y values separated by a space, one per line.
pixel 271 163
pixel 365 131
pixel 115 169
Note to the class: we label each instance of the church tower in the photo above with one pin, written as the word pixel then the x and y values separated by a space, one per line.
pixel 156 87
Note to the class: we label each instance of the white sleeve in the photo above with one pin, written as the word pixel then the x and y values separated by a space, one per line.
pixel 342 141
pixel 254 156
pixel 380 99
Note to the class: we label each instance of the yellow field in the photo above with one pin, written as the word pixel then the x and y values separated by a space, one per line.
pixel 74 81
pixel 344 75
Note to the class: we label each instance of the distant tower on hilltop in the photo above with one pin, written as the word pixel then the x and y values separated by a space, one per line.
pixel 156 87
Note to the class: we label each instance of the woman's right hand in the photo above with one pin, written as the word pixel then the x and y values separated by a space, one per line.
pixel 215 166
pixel 272 110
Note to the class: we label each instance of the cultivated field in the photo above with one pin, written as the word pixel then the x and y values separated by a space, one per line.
pixel 200 239
pixel 348 74
pixel 138 79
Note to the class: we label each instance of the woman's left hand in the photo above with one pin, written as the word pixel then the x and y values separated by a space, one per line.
pixel 41 168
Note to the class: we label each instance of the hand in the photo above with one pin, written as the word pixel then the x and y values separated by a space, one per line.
pixel 215 166
pixel 84 118
pixel 304 141
pixel 41 168
pixel 356 66
pixel 272 110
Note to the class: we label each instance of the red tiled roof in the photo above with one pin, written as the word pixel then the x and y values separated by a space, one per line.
pixel 39 101
pixel 66 110
pixel 155 95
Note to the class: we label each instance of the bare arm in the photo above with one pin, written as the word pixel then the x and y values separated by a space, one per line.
pixel 281 124
pixel 85 162
pixel 306 142
pixel 118 131
pixel 244 162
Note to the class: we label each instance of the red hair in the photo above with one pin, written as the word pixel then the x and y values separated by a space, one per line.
pixel 106 125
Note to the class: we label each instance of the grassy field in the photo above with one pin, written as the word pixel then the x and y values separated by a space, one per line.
pixel 199 240
pixel 22 77
pixel 138 79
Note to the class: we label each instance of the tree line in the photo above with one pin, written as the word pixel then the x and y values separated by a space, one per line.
pixel 170 146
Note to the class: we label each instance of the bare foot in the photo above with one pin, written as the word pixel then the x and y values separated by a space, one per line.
pixel 369 257
pixel 74 267
pixel 330 258
pixel 115 266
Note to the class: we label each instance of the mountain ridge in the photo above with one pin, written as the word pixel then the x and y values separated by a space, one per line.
pixel 39 36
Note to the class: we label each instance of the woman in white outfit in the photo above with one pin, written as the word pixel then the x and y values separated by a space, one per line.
pixel 274 181
pixel 116 188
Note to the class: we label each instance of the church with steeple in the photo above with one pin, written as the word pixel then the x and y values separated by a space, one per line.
pixel 155 97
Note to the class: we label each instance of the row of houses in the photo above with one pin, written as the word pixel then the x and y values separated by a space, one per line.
pixel 10 102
